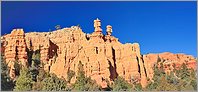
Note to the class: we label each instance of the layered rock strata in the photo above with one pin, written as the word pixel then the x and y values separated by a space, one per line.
pixel 15 49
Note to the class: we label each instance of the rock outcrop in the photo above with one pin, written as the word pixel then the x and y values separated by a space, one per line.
pixel 15 49
pixel 103 56
pixel 169 60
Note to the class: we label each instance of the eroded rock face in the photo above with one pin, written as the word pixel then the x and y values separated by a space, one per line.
pixel 15 49
pixel 103 56
pixel 169 61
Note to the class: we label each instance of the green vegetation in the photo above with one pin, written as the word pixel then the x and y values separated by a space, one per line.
pixel 37 85
pixel 6 83
pixel 121 85
pixel 24 81
pixel 17 67
pixel 84 83
pixel 53 83
pixel 182 79
pixel 34 69
pixel 70 74
pixel 36 58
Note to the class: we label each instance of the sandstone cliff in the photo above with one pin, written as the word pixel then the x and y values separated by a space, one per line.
pixel 103 56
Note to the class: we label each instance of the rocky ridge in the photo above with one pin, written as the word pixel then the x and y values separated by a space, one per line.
pixel 103 56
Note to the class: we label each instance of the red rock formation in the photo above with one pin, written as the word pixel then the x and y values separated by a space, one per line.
pixel 169 60
pixel 103 56
pixel 15 49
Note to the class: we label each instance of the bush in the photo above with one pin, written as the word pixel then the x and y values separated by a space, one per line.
pixel 121 85
pixel 53 83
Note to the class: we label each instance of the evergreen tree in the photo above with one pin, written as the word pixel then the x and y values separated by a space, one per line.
pixel 83 83
pixel 53 83
pixel 40 77
pixel 183 72
pixel 33 72
pixel 24 81
pixel 80 82
pixel 36 58
pixel 182 79
pixel 158 73
pixel 193 79
pixel 138 87
pixel 121 85
pixel 70 74
pixel 17 67
pixel 186 78
pixel 6 83
pixel 91 85
pixel 34 68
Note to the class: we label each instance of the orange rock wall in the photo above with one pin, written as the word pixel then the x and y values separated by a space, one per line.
pixel 15 49
pixel 103 56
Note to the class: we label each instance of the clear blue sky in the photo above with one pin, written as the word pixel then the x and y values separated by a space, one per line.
pixel 156 26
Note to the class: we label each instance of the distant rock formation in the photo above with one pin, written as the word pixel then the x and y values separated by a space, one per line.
pixel 169 60
pixel 103 56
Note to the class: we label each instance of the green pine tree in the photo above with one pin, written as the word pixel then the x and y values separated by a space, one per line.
pixel 24 81
pixel 83 83
pixel 182 79
pixel 53 83
pixel 121 85
pixel 6 83
pixel 39 78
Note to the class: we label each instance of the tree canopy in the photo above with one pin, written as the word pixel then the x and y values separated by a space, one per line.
pixel 24 81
